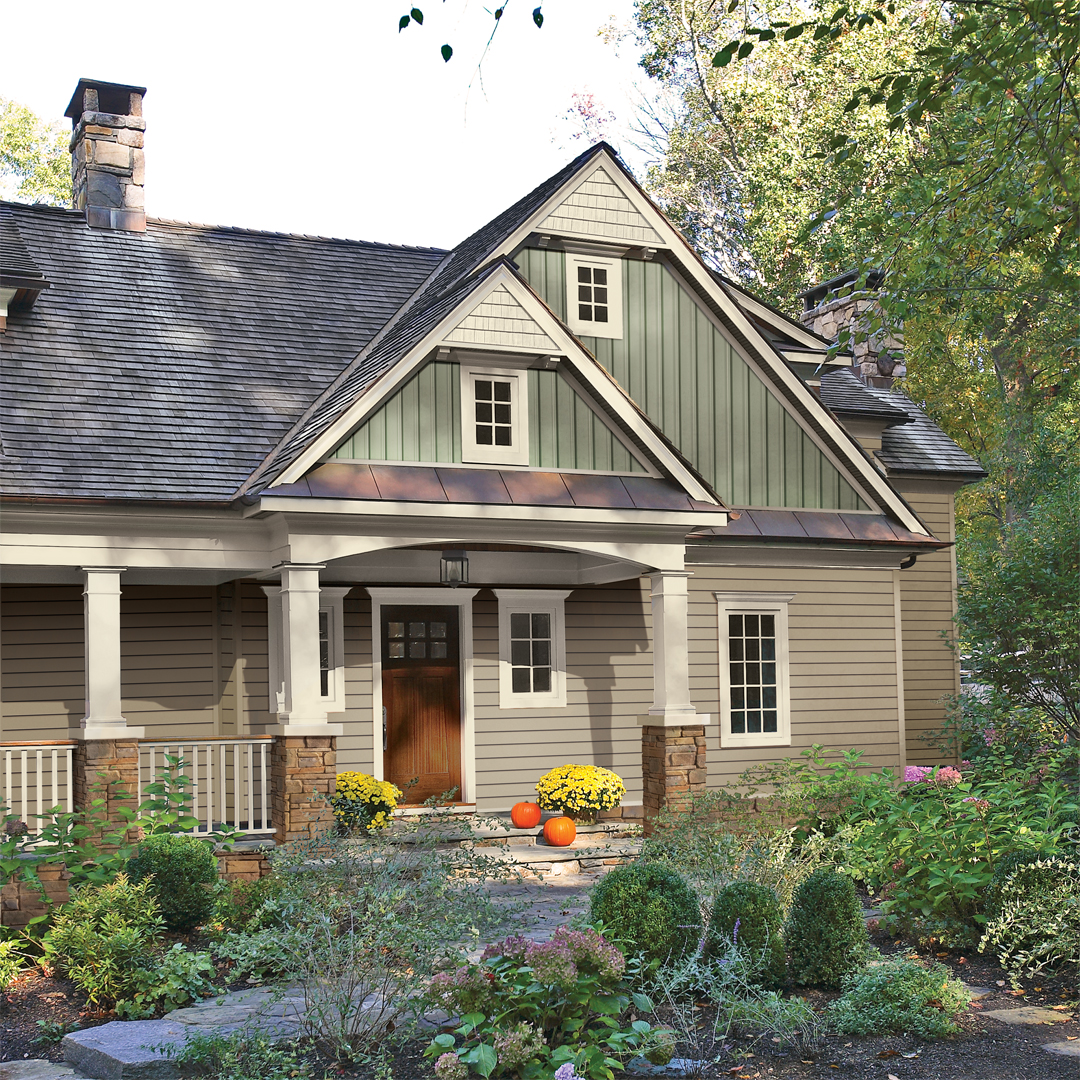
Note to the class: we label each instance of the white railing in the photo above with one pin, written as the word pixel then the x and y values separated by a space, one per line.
pixel 36 777
pixel 230 779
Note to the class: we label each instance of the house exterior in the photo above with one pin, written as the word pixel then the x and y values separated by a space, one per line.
pixel 297 505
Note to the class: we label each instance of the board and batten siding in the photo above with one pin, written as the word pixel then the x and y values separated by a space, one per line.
pixel 675 364
pixel 928 604
pixel 422 422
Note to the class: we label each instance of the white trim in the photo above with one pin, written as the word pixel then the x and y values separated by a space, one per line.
pixel 613 328
pixel 517 453
pixel 462 600
pixel 755 603
pixel 540 601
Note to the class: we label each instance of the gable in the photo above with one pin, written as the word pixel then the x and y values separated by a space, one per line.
pixel 421 422
pixel 598 208
pixel 501 321
pixel 685 374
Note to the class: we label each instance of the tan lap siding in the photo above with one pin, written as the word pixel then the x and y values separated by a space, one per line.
pixel 608 682
pixel 928 603
pixel 355 746
pixel 41 661
pixel 842 657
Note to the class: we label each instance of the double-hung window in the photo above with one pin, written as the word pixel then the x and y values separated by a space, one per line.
pixel 494 416
pixel 532 648
pixel 754 697
pixel 594 296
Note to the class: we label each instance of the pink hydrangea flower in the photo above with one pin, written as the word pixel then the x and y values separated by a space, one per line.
pixel 948 777
pixel 915 774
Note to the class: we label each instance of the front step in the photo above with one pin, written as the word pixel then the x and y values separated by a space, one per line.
pixel 580 857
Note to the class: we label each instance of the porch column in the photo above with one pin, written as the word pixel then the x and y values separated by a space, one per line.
pixel 106 761
pixel 672 732
pixel 303 765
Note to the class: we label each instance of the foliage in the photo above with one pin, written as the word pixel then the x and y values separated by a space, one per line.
pixel 250 906
pixel 176 979
pixel 34 162
pixel 749 914
pixel 930 849
pixel 577 789
pixel 259 955
pixel 1034 923
pixel 529 1008
pixel 649 909
pixel 182 871
pixel 362 802
pixel 825 934
pixel 899 996
pixel 11 962
pixel 247 1054
pixel 416 16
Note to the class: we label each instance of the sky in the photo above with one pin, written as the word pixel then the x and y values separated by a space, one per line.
pixel 322 118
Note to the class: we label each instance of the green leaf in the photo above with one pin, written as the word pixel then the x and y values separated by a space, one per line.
pixel 795 31
pixel 642 1002
pixel 606 1004
pixel 447 52
pixel 745 49
pixel 485 1060
pixel 499 13
pixel 538 17
pixel 417 16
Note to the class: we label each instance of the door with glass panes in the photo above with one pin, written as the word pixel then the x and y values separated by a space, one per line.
pixel 421 686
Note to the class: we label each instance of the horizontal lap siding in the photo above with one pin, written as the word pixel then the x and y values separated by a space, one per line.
pixel 355 747
pixel 928 603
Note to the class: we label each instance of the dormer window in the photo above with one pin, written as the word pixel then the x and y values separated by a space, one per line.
pixel 494 416
pixel 594 296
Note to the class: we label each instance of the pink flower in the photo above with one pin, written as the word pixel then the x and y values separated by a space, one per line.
pixel 965 764
pixel 915 774
pixel 947 777
pixel 989 735
pixel 982 805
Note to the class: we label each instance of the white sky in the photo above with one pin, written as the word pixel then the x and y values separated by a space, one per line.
pixel 320 117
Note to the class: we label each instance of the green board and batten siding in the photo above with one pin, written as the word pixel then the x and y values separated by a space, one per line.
pixel 683 372
pixel 422 422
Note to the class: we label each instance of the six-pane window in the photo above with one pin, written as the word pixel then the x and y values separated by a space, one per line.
pixel 592 294
pixel 752 674
pixel 494 425
pixel 530 652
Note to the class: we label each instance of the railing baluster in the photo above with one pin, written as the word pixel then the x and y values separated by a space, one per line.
pixel 55 779
pixel 262 784
pixel 22 793
pixel 9 801
pixel 70 805
pixel 40 761
pixel 251 785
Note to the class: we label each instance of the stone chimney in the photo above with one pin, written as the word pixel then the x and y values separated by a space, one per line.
pixel 107 154
pixel 839 305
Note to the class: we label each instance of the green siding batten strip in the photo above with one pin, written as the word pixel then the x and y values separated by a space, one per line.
pixel 684 373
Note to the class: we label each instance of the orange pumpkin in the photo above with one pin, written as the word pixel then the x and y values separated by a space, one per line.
pixel 559 831
pixel 525 815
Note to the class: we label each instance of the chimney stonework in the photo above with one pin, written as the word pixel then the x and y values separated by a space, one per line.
pixel 107 165
pixel 878 355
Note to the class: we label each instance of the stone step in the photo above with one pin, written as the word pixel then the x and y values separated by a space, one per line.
pixel 496 829
pixel 36 1069
pixel 583 856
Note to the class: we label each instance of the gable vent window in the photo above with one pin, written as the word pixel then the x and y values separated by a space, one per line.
pixel 594 296
pixel 494 416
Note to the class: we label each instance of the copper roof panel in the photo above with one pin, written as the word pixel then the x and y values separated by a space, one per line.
pixel 408 483
pixel 743 525
pixel 649 493
pixel 776 522
pixel 339 480
pixel 473 486
pixel 869 527
pixel 299 488
pixel 822 523
pixel 537 489
pixel 588 489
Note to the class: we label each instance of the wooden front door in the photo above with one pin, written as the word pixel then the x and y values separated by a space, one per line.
pixel 421 686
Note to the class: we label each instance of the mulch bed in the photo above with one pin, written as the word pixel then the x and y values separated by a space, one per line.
pixel 986 1050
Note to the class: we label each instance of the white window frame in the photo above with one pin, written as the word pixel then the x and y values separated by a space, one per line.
pixel 332 601
pixel 613 328
pixel 755 603
pixel 517 453
pixel 532 601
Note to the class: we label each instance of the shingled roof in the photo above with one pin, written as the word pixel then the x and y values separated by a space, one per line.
pixel 167 364
pixel 847 395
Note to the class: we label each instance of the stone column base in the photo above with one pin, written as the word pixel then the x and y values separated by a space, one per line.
pixel 301 765
pixel 673 767
pixel 107 769
pixel 21 901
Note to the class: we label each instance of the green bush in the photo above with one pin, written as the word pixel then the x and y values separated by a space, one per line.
pixel 897 997
pixel 247 1054
pixel 748 915
pixel 181 871
pixel 1035 920
pixel 249 906
pixel 11 963
pixel 649 909
pixel 825 933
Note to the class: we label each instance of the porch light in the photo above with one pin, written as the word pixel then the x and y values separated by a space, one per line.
pixel 454 568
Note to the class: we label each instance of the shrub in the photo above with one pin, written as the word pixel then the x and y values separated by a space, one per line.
pixel 648 908
pixel 247 1054
pixel 11 962
pixel 825 933
pixel 248 906
pixel 176 979
pixel 260 955
pixel 180 871
pixel 579 789
pixel 1035 922
pixel 897 997
pixel 748 914
pixel 362 802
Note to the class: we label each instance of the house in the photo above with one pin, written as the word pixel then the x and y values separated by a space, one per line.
pixel 294 505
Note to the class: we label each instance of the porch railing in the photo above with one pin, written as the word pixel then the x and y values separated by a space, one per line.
pixel 229 779
pixel 36 776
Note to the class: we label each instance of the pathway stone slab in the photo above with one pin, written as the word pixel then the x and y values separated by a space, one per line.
pixel 978 992
pixel 124 1049
pixel 37 1069
pixel 1065 1049
pixel 1027 1014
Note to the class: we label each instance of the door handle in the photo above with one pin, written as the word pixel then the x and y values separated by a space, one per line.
pixel 384 729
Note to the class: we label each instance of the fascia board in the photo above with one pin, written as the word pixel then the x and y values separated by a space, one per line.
pixel 797 390
pixel 676 520
pixel 788 328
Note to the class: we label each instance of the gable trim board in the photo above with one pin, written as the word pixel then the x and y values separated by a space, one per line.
pixel 501 276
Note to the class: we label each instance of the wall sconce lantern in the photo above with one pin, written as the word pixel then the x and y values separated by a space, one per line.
pixel 454 568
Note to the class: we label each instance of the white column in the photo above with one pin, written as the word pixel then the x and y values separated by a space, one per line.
pixel 305 708
pixel 671 665
pixel 101 635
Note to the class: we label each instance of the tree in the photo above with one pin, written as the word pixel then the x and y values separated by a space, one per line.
pixel 416 15
pixel 34 162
